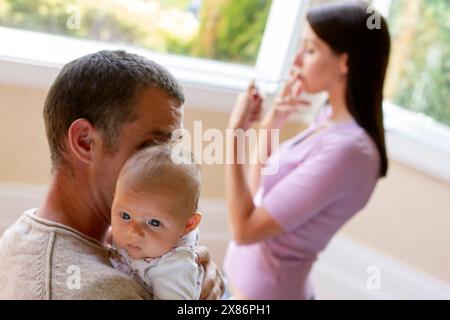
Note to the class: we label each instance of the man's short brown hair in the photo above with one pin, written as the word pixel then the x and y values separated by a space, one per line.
pixel 101 88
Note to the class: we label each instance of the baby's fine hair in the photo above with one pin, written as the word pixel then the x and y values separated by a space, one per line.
pixel 167 167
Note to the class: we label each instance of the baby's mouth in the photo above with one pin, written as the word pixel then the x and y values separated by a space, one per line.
pixel 133 247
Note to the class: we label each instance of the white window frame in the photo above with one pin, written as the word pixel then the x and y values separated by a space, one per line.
pixel 29 59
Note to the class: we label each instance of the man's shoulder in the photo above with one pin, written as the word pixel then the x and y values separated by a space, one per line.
pixel 80 269
pixel 103 282
pixel 56 262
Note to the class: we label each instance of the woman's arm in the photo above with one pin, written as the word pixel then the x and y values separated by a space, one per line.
pixel 248 223
pixel 286 103
pixel 261 153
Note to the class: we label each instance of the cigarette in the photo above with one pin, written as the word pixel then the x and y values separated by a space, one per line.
pixel 272 81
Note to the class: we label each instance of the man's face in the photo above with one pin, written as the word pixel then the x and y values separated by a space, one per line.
pixel 157 116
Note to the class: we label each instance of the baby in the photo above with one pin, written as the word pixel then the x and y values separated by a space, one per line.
pixel 154 222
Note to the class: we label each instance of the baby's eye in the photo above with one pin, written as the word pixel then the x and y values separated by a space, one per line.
pixel 154 222
pixel 125 216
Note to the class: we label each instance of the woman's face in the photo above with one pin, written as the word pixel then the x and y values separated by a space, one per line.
pixel 318 67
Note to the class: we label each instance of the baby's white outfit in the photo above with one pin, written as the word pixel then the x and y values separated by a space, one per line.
pixel 172 276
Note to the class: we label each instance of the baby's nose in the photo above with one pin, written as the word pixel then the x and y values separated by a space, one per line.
pixel 136 231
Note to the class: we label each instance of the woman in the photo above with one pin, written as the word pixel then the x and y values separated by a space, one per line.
pixel 326 174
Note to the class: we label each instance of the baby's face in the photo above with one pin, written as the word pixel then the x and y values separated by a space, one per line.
pixel 146 225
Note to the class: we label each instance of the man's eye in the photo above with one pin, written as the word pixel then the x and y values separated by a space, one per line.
pixel 125 216
pixel 154 223
pixel 148 144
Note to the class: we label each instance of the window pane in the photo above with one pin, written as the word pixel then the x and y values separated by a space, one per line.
pixel 226 30
pixel 419 71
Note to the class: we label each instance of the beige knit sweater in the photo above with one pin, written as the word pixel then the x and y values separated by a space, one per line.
pixel 41 259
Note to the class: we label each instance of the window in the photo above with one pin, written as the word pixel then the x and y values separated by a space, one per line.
pixel 419 73
pixel 214 45
pixel 222 30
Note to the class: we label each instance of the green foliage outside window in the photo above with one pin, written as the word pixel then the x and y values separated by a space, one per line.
pixel 228 30
pixel 419 72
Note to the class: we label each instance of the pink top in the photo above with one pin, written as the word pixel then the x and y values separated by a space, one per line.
pixel 320 184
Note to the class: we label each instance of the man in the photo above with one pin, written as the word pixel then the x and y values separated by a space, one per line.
pixel 100 109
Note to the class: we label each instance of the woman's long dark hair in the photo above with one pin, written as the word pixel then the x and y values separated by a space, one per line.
pixel 354 28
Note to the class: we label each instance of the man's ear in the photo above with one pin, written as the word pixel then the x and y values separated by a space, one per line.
pixel 343 64
pixel 81 139
pixel 192 222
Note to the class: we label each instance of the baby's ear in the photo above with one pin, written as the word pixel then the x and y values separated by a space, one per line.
pixel 193 222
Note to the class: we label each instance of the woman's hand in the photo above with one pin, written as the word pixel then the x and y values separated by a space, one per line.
pixel 247 109
pixel 285 104
pixel 212 286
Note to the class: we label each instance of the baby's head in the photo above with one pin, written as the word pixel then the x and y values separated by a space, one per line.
pixel 155 201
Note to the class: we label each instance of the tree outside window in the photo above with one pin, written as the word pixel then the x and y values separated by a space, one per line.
pixel 419 72
pixel 226 30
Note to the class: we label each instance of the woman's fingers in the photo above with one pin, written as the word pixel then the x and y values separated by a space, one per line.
pixel 294 85
pixel 257 101
pixel 247 108
pixel 287 88
pixel 291 107
pixel 297 88
pixel 255 93
pixel 255 115
pixel 291 101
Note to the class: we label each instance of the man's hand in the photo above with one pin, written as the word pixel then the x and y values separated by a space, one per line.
pixel 212 286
